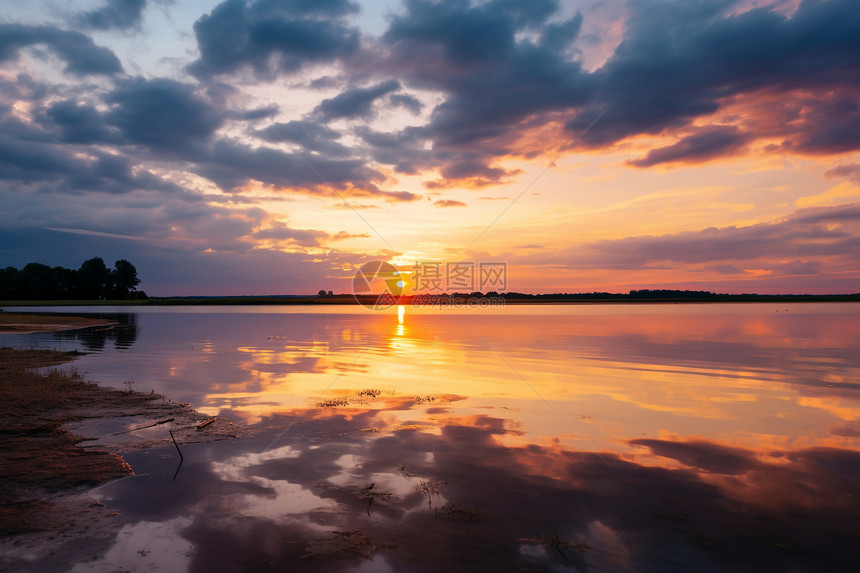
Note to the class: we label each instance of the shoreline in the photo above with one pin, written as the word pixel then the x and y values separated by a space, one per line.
pixel 64 436
pixel 31 323
pixel 350 300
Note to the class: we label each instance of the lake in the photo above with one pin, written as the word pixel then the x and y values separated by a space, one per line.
pixel 676 437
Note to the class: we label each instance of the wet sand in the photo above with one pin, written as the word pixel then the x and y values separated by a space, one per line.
pixel 61 436
pixel 16 323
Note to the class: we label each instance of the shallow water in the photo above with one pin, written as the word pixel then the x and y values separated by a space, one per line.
pixel 612 438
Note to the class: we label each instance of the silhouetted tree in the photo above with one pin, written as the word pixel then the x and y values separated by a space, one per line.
pixel 36 280
pixel 65 282
pixel 8 283
pixel 93 278
pixel 123 280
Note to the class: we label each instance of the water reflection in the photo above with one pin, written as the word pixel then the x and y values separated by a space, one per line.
pixel 673 439
pixel 123 335
pixel 335 496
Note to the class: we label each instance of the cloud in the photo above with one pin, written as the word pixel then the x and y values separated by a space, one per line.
pixel 355 102
pixel 82 56
pixel 281 232
pixel 255 114
pixel 272 37
pixel 504 72
pixel 405 150
pixel 24 88
pixel 79 122
pixel 35 162
pixel 796 268
pixel 830 124
pixel 559 36
pixel 175 123
pixel 492 80
pixel 725 269
pixel 232 164
pixel 449 203
pixel 841 214
pixel 310 135
pixel 343 235
pixel 707 456
pixel 163 114
pixel 406 101
pixel 114 14
pixel 651 83
pixel 351 206
pixel 470 172
pixel 792 246
pixel 850 171
pixel 704 144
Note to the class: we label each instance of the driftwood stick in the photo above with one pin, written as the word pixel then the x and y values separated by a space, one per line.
pixel 144 427
pixel 206 423
pixel 181 457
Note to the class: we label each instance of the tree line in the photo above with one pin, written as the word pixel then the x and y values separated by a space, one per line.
pixel 92 281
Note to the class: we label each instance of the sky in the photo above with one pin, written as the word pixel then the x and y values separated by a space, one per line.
pixel 273 147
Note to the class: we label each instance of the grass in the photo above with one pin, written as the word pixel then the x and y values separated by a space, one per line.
pixel 430 488
pixel 22 390
pixel 36 453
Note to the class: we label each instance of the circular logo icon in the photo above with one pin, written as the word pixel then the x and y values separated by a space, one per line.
pixel 377 285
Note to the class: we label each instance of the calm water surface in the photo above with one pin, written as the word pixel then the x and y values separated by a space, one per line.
pixel 551 438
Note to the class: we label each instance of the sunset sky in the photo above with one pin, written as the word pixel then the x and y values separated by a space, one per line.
pixel 272 147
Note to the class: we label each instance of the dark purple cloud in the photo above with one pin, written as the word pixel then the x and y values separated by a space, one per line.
pixel 114 14
pixel 311 135
pixel 404 149
pixel 832 125
pixel 272 37
pixel 355 102
pixel 232 164
pixel 24 88
pixel 163 114
pixel 168 121
pixel 704 144
pixel 79 123
pixel 491 80
pixel 255 114
pixel 841 214
pixel 81 55
pixel 707 456
pixel 679 61
pixel 406 101
pixel 503 68
pixel 35 161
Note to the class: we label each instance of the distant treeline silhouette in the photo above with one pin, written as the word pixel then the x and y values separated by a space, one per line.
pixel 658 295
pixel 92 281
